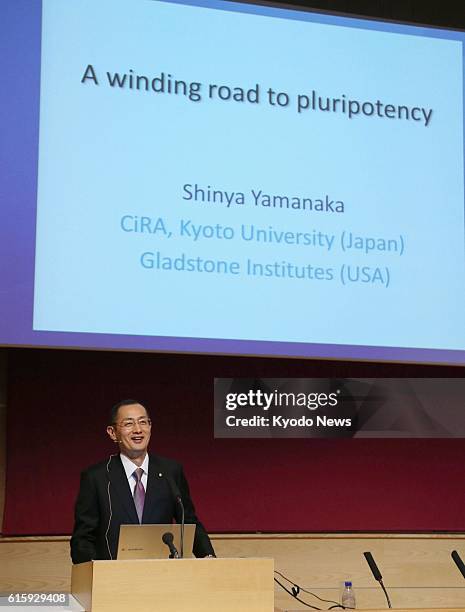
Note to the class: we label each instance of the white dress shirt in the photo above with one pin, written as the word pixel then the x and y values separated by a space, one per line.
pixel 130 467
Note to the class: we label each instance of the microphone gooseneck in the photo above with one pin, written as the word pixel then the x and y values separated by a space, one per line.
pixel 177 496
pixel 376 574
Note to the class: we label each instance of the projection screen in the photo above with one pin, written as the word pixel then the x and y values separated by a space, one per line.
pixel 223 177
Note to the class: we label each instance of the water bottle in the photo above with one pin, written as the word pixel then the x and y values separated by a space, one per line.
pixel 348 597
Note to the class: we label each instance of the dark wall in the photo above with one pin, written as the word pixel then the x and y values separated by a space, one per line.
pixel 58 404
pixel 448 13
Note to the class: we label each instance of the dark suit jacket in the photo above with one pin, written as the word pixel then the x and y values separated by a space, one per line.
pixel 105 485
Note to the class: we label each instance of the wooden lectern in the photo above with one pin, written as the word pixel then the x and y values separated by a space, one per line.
pixel 175 585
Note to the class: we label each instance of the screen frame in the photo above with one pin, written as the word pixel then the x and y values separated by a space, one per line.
pixel 20 61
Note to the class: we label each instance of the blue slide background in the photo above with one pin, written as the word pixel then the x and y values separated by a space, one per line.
pixel 107 152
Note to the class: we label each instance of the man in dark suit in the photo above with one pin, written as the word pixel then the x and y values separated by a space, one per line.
pixel 130 488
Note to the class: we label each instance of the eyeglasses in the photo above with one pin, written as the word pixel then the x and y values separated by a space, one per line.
pixel 128 424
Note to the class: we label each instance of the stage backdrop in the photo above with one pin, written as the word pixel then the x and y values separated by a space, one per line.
pixel 58 405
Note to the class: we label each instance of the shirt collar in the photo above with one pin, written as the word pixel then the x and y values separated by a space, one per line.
pixel 129 466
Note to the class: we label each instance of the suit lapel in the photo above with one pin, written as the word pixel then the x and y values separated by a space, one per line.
pixel 120 485
pixel 157 488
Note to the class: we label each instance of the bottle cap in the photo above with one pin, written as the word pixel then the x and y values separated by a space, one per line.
pixel 347 583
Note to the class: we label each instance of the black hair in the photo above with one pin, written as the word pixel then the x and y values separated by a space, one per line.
pixel 125 402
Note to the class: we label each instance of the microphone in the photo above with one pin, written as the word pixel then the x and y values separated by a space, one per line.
pixel 167 539
pixel 177 496
pixel 174 488
pixel 458 562
pixel 374 568
pixel 376 573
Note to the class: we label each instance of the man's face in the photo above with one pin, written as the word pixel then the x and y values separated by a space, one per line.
pixel 131 430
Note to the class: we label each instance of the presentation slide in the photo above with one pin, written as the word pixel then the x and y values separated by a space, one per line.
pixel 224 177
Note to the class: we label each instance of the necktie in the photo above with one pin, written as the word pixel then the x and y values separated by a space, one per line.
pixel 139 493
